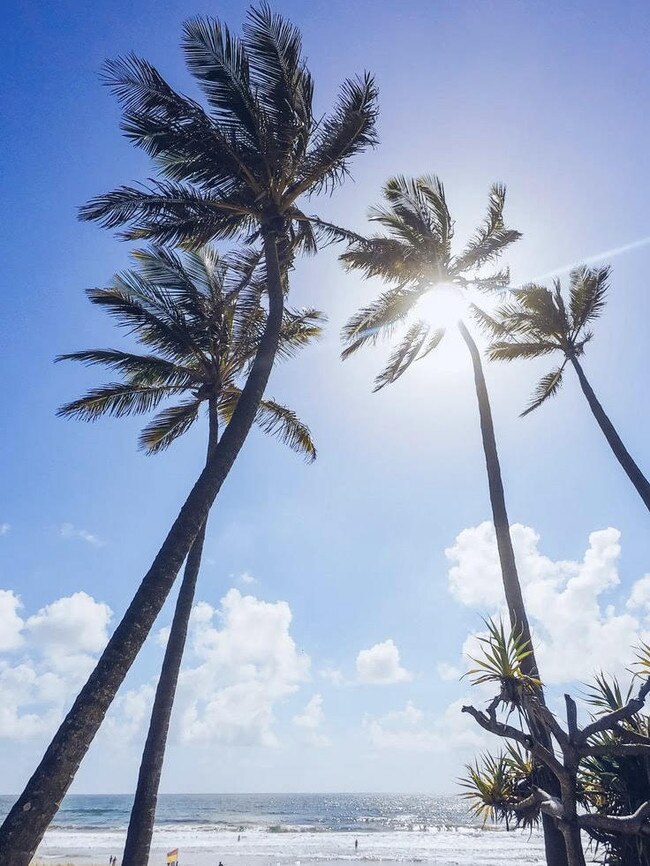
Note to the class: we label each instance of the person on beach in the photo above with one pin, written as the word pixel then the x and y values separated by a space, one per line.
pixel 356 844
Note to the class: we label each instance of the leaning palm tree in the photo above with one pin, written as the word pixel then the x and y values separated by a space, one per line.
pixel 539 322
pixel 201 322
pixel 239 168
pixel 413 255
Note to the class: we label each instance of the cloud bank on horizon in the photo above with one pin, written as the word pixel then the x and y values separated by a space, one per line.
pixel 243 664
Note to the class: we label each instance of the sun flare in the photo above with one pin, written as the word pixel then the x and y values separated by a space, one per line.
pixel 443 306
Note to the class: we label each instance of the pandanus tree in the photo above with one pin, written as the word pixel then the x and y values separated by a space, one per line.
pixel 201 321
pixel 413 254
pixel 537 322
pixel 238 168
pixel 602 769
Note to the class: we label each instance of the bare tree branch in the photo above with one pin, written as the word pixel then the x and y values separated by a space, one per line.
pixel 632 824
pixel 609 720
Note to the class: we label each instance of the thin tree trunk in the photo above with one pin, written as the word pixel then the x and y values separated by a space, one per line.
pixel 573 842
pixel 143 811
pixel 24 826
pixel 511 585
pixel 621 453
pixel 556 854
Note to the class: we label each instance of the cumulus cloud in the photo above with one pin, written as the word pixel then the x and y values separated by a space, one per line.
pixel 67 530
pixel 332 675
pixel 380 665
pixel 246 578
pixel 45 659
pixel 412 730
pixel 578 622
pixel 247 662
pixel 11 624
pixel 4 528
pixel 310 720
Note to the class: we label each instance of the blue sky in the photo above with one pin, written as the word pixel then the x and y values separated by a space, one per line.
pixel 547 98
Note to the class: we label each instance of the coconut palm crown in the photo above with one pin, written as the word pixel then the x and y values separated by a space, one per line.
pixel 239 165
pixel 414 256
pixel 538 322
pixel 201 318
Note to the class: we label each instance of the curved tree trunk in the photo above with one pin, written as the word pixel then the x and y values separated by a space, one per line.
pixel 143 811
pixel 511 585
pixel 621 453
pixel 24 826
pixel 556 854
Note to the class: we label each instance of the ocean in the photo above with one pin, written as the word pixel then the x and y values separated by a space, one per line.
pixel 295 829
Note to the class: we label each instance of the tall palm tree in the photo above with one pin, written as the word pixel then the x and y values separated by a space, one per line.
pixel 201 322
pixel 413 255
pixel 239 168
pixel 539 322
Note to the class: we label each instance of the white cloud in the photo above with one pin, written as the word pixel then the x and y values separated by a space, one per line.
pixel 448 672
pixel 640 595
pixel 381 665
pixel 577 626
pixel 245 667
pixel 67 530
pixel 310 720
pixel 411 730
pixel 332 675
pixel 128 717
pixel 4 528
pixel 312 715
pixel 58 645
pixel 11 624
pixel 246 578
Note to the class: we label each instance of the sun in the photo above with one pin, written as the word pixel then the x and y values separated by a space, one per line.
pixel 442 306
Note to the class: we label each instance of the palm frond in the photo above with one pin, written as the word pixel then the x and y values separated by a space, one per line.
pixel 219 62
pixel 138 368
pixel 548 386
pixel 348 131
pixel 514 350
pixel 169 212
pixel 404 355
pixel 432 343
pixel 491 238
pixel 378 318
pixel 587 292
pixel 117 399
pixel 173 128
pixel 606 695
pixel 168 425
pixel 279 76
pixel 273 418
pixel 502 661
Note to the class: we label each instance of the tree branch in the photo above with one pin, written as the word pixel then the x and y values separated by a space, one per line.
pixel 571 717
pixel 501 729
pixel 609 720
pixel 632 824
pixel 624 749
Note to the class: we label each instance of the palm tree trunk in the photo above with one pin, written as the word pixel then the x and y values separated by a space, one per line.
pixel 143 811
pixel 615 443
pixel 511 585
pixel 24 826
pixel 556 854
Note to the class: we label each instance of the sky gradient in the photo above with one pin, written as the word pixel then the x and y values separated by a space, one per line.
pixel 346 555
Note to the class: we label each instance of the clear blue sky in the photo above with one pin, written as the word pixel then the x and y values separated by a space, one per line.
pixel 549 98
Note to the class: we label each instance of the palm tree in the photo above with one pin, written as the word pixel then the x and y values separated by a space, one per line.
pixel 538 322
pixel 201 337
pixel 238 169
pixel 413 255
